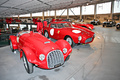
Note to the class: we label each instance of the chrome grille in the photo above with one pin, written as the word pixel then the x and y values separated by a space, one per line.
pixel 88 40
pixel 55 58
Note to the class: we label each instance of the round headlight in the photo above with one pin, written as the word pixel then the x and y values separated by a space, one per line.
pixel 79 38
pixel 41 57
pixel 65 50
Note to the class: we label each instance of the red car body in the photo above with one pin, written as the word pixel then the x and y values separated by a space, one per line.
pixel 88 26
pixel 33 45
pixel 70 31
pixel 9 20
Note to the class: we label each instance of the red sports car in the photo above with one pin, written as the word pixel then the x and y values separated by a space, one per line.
pixel 66 31
pixel 88 26
pixel 35 49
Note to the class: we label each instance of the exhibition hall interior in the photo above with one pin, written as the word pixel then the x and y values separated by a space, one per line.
pixel 59 39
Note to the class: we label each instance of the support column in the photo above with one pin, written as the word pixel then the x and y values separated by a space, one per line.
pixel 67 13
pixel 55 14
pixel 112 9
pixel 80 12
pixel 43 15
pixel 18 23
pixel 30 22
pixel 18 16
pixel 95 12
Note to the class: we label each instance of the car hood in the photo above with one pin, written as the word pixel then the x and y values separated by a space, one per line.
pixel 40 43
pixel 77 31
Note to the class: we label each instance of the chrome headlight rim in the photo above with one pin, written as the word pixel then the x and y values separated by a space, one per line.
pixel 64 50
pixel 41 57
pixel 90 28
pixel 79 38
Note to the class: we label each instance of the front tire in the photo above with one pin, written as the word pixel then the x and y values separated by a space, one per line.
pixel 67 58
pixel 28 66
pixel 70 41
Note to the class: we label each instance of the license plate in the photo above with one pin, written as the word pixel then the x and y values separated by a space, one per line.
pixel 57 65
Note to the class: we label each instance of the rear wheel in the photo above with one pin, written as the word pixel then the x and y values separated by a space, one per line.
pixel 46 34
pixel 11 47
pixel 70 41
pixel 28 66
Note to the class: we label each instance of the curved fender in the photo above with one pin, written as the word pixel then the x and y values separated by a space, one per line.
pixel 30 55
pixel 14 41
pixel 64 44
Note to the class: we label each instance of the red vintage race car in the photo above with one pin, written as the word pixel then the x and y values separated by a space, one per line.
pixel 35 49
pixel 88 26
pixel 66 31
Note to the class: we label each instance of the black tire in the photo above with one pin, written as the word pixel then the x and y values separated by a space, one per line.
pixel 11 46
pixel 117 27
pixel 67 58
pixel 28 66
pixel 103 25
pixel 46 34
pixel 70 41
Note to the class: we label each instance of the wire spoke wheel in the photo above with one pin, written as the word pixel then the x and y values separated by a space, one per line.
pixel 11 47
pixel 25 63
pixel 69 40
pixel 28 66
pixel 46 34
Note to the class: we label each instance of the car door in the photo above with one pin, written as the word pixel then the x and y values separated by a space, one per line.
pixel 54 31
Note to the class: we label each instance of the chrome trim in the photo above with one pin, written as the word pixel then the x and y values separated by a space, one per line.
pixel 88 40
pixel 55 58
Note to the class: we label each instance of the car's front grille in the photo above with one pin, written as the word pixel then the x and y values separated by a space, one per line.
pixel 55 58
pixel 88 40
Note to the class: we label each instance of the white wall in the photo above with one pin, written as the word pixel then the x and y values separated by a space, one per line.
pixel 104 8
pixel 76 11
pixel 88 10
pixel 116 7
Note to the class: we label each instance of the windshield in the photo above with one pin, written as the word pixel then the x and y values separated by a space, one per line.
pixel 62 25
pixel 22 32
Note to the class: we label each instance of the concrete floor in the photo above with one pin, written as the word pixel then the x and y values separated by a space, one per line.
pixel 98 60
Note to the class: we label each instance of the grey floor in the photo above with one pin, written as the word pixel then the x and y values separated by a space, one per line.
pixel 99 60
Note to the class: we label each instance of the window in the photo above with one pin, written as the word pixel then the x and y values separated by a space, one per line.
pixel 87 10
pixel 15 16
pixel 46 13
pixel 74 11
pixel 53 25
pixel 62 12
pixel 24 15
pixel 116 6
pixel 52 13
pixel 103 8
pixel 37 14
